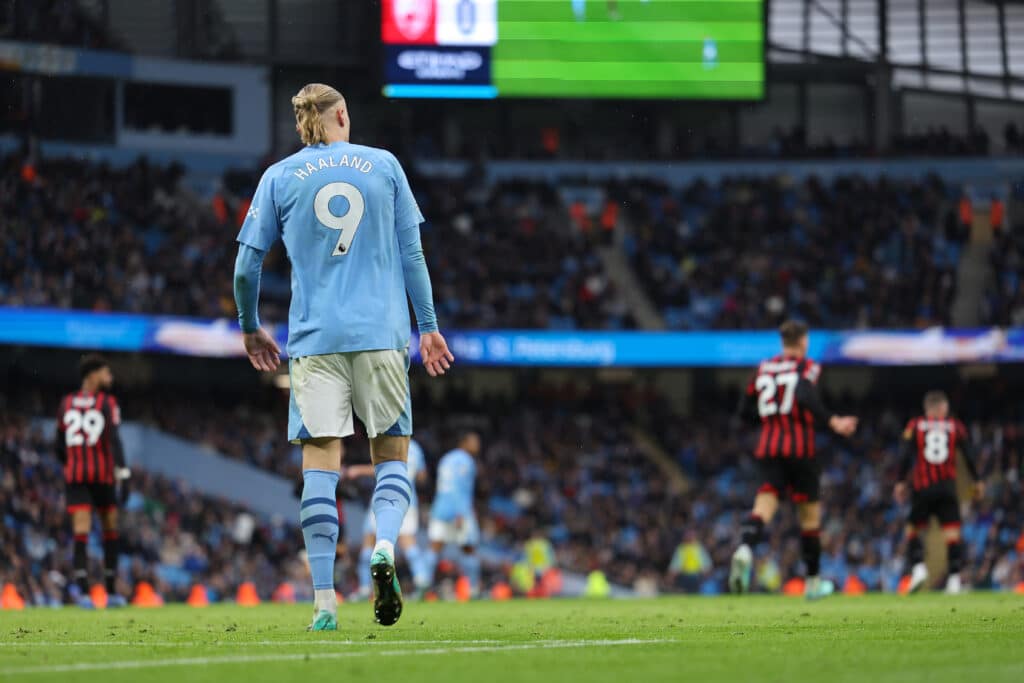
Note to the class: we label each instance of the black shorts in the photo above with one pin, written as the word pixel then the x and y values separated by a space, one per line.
pixel 799 478
pixel 937 501
pixel 88 496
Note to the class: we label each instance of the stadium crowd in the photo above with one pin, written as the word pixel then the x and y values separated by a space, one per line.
pixel 748 252
pixel 848 253
pixel 572 467
pixel 170 536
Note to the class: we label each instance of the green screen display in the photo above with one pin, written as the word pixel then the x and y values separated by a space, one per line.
pixel 708 49
pixel 683 49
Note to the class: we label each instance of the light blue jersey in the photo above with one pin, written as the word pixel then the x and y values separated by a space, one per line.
pixel 456 479
pixel 350 225
pixel 416 464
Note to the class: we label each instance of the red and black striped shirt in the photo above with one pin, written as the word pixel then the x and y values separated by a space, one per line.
pixel 787 405
pixel 932 444
pixel 86 424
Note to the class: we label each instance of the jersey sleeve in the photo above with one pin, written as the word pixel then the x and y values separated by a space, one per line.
pixel 261 228
pixel 908 431
pixel 60 416
pixel 407 211
pixel 113 410
pixel 811 371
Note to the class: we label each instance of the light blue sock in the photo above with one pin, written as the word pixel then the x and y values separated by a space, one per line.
pixel 470 565
pixel 391 499
pixel 319 515
pixel 418 565
pixel 364 568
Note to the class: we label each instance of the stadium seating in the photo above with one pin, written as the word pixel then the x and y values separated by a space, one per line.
pixel 740 254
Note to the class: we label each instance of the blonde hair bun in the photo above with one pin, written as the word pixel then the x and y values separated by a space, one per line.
pixel 310 105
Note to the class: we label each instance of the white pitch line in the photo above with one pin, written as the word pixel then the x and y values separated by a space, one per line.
pixel 245 643
pixel 249 659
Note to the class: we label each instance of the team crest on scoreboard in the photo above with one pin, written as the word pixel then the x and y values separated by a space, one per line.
pixel 409 21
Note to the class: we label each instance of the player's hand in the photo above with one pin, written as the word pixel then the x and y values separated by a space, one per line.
pixel 435 354
pixel 843 425
pixel 263 351
pixel 899 492
pixel 979 490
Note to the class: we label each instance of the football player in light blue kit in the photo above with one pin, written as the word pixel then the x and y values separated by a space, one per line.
pixel 350 225
pixel 407 542
pixel 452 518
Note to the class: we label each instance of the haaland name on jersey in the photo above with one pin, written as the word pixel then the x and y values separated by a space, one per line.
pixel 354 162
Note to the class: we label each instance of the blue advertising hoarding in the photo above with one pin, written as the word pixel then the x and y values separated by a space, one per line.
pixel 222 338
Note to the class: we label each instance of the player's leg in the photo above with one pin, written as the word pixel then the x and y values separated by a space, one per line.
pixel 413 553
pixel 380 396
pixel 321 461
pixel 766 504
pixel 805 481
pixel 579 8
pixel 365 551
pixel 319 416
pixel 79 506
pixel 949 517
pixel 917 524
pixel 438 535
pixel 809 516
pixel 391 497
pixel 107 508
pixel 469 538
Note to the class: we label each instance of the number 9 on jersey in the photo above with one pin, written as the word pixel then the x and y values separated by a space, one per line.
pixel 348 223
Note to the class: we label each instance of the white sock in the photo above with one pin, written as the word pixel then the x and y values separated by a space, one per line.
pixel 387 547
pixel 325 599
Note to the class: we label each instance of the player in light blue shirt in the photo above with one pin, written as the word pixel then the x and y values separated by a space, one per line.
pixel 350 226
pixel 418 560
pixel 452 517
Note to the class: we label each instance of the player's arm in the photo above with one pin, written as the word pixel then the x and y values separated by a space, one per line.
pixel 258 234
pixel 433 347
pixel 59 442
pixel 905 462
pixel 967 452
pixel 809 397
pixel 746 408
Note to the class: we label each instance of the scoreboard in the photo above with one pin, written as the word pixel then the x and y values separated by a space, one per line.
pixel 682 49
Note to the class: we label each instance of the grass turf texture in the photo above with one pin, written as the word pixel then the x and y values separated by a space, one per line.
pixel 763 638
pixel 653 50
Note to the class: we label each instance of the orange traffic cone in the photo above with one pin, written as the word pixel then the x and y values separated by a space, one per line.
pixel 198 597
pixel 903 587
pixel 794 587
pixel 1019 588
pixel 501 591
pixel 145 596
pixel 463 590
pixel 246 596
pixel 854 586
pixel 9 598
pixel 339 596
pixel 284 593
pixel 99 596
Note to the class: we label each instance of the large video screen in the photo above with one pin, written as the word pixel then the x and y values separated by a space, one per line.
pixel 679 49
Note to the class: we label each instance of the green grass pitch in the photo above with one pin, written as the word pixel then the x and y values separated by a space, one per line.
pixel 930 638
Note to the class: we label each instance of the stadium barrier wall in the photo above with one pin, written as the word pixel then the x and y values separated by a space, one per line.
pixel 204 471
pixel 222 339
